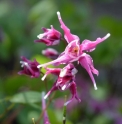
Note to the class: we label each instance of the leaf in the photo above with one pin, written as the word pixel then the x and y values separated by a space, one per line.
pixel 26 97
pixel 41 9
pixel 4 8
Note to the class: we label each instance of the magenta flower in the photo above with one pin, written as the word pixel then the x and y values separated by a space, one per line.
pixel 71 53
pixel 49 37
pixel 50 53
pixel 65 80
pixel 45 119
pixel 29 68
pixel 75 51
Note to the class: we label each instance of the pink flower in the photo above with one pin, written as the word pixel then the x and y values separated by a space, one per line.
pixel 29 68
pixel 74 52
pixel 71 53
pixel 67 35
pixel 50 53
pixel 65 80
pixel 49 37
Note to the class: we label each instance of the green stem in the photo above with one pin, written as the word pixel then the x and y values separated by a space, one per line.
pixel 64 112
pixel 33 120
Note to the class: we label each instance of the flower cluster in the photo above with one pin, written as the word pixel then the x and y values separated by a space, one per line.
pixel 74 51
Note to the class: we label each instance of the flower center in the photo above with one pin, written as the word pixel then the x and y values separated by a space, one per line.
pixel 75 51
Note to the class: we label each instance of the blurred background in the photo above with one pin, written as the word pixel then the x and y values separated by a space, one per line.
pixel 20 23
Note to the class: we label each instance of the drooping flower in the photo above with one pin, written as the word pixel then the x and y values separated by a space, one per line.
pixel 45 119
pixel 72 53
pixel 29 68
pixel 75 52
pixel 49 37
pixel 65 80
pixel 50 53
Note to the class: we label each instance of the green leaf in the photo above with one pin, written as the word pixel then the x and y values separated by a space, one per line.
pixel 42 9
pixel 4 8
pixel 26 97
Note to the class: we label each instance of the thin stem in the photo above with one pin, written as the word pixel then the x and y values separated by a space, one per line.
pixel 33 120
pixel 64 112
pixel 42 113
pixel 46 87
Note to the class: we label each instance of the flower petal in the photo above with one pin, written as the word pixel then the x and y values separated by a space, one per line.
pixel 51 90
pixel 67 35
pixel 84 61
pixel 64 59
pixel 55 71
pixel 74 93
pixel 89 46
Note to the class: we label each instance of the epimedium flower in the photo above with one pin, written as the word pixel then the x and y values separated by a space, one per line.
pixel 75 51
pixel 49 37
pixel 65 80
pixel 71 52
pixel 29 68
pixel 50 53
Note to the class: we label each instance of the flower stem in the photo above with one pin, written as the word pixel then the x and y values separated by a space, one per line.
pixel 42 113
pixel 64 112
pixel 33 120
